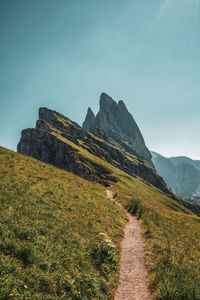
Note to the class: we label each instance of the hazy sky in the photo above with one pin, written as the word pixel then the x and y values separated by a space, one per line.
pixel 63 53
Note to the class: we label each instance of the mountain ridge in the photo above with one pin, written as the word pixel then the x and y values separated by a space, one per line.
pixel 182 174
pixel 59 141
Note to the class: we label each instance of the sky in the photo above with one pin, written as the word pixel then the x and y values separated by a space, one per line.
pixel 62 54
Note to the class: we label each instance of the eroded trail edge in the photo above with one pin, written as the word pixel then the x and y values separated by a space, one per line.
pixel 133 282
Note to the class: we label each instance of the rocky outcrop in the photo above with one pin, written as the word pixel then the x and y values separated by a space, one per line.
pixel 90 120
pixel 51 142
pixel 47 148
pixel 119 125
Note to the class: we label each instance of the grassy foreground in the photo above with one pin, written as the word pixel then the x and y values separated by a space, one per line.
pixel 58 237
pixel 171 237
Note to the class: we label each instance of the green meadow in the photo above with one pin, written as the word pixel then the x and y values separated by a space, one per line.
pixel 60 235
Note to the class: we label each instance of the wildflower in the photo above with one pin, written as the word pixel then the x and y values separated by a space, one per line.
pixel 108 241
pixel 111 245
pixel 104 234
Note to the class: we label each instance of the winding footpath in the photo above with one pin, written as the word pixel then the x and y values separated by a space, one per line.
pixel 133 282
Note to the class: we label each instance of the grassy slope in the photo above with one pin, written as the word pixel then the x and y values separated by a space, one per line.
pixel 172 241
pixel 171 232
pixel 49 231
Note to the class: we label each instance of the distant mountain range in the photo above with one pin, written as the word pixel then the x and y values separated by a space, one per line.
pixel 182 174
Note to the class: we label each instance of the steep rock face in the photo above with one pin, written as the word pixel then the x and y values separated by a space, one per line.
pixel 90 120
pixel 47 148
pixel 181 174
pixel 118 123
pixel 59 141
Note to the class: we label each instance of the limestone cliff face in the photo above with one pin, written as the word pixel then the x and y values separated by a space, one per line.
pixel 47 148
pixel 119 125
pixel 63 143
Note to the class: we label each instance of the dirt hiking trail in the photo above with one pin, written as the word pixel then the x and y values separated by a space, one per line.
pixel 133 282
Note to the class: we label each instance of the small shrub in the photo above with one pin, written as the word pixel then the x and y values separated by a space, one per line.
pixel 8 248
pixel 23 234
pixel 134 207
pixel 45 285
pixel 5 294
pixel 82 287
pixel 42 231
pixel 12 269
pixel 63 286
pixel 27 256
pixel 44 266
pixel 1 231
pixel 104 286
pixel 141 211
pixel 103 253
pixel 148 233
pixel 87 286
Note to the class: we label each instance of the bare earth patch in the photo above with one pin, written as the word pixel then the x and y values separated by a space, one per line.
pixel 133 283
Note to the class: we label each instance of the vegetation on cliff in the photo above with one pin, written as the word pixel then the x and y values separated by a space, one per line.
pixel 63 143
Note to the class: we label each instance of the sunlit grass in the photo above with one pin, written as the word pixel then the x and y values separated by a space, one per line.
pixel 50 222
pixel 172 241
pixel 50 225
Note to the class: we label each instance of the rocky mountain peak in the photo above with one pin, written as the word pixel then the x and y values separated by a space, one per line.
pixel 47 114
pixel 107 104
pixel 44 112
pixel 117 122
pixel 90 112
pixel 90 120
pixel 122 106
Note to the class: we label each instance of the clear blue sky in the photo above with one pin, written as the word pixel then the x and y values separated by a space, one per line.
pixel 63 53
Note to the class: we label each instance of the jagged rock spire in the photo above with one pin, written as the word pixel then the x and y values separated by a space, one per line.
pixel 90 120
pixel 115 119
